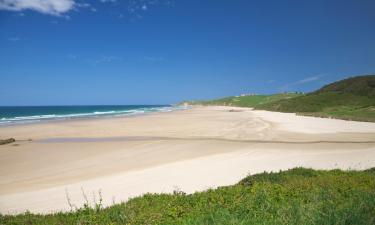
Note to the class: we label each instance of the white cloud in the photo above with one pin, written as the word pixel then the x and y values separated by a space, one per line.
pixel 95 60
pixel 307 80
pixel 105 1
pixel 137 8
pixel 108 59
pixel 52 7
pixel 103 59
pixel 303 81
pixel 59 7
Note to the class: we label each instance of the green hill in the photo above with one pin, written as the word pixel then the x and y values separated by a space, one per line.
pixel 360 85
pixel 297 196
pixel 352 99
pixel 246 101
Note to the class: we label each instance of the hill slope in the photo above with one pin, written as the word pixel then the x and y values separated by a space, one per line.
pixel 360 85
pixel 352 98
pixel 297 196
pixel 246 101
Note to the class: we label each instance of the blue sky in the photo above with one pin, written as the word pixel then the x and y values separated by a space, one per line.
pixel 65 52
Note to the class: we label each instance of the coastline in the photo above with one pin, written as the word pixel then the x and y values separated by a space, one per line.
pixel 190 149
pixel 90 115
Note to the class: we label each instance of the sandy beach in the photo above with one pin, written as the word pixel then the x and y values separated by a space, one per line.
pixel 188 150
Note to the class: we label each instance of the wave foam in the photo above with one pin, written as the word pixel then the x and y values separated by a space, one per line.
pixel 37 118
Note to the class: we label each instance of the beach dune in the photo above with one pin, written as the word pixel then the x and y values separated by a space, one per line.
pixel 189 150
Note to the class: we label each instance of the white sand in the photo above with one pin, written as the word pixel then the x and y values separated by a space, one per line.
pixel 188 150
pixel 313 125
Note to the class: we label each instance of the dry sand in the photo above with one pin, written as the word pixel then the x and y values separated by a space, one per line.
pixel 189 150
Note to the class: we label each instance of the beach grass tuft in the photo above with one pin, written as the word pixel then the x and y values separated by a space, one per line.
pixel 7 141
pixel 296 196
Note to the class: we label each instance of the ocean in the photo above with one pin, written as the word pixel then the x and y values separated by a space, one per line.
pixel 32 114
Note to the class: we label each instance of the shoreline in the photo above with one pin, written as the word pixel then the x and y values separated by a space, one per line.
pixel 89 117
pixel 191 149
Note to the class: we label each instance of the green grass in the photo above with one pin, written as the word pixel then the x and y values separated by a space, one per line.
pixel 297 196
pixel 359 85
pixel 328 104
pixel 247 101
pixel 349 99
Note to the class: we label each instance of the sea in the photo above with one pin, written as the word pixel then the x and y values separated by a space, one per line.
pixel 10 115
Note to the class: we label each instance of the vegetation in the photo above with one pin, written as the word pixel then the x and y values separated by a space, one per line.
pixel 360 85
pixel 351 99
pixel 7 141
pixel 330 104
pixel 297 196
pixel 248 100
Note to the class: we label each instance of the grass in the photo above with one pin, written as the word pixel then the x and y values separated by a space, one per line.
pixel 7 141
pixel 359 85
pixel 349 99
pixel 328 104
pixel 297 196
pixel 247 101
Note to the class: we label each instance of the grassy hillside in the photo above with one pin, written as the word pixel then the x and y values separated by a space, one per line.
pixel 247 101
pixel 352 99
pixel 297 196
pixel 360 85
pixel 338 105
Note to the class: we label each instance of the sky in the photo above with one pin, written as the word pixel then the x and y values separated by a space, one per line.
pixel 81 52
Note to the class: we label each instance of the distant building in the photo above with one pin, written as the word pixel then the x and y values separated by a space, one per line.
pixel 247 94
pixel 294 92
